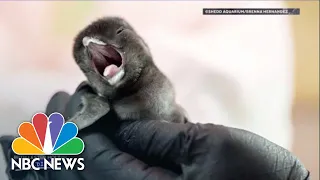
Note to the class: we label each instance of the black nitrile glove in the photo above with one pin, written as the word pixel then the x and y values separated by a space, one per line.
pixel 158 150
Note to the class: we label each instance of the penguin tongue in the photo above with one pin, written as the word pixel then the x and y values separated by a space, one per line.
pixel 111 70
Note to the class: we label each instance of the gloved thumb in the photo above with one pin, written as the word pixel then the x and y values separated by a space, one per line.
pixel 5 142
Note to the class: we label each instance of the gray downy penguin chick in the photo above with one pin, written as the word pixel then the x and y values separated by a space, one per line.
pixel 120 69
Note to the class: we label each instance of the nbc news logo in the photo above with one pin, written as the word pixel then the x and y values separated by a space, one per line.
pixel 47 143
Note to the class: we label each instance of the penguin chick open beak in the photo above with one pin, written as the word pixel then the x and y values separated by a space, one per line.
pixel 106 59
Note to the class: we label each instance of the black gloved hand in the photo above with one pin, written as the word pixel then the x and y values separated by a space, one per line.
pixel 184 151
pixel 210 151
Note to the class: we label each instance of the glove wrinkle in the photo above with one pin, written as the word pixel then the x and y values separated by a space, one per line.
pixel 154 140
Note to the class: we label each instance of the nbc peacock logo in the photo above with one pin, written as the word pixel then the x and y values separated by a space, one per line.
pixel 47 136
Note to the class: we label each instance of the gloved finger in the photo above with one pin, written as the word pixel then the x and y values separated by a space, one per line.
pixel 178 143
pixel 208 151
pixel 57 103
pixel 103 160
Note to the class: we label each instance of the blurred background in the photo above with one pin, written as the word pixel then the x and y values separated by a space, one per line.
pixel 259 73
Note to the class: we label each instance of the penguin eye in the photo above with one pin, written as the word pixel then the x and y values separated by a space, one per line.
pixel 120 30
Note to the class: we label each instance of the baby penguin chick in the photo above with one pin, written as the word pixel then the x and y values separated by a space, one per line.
pixel 120 69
